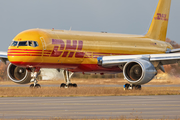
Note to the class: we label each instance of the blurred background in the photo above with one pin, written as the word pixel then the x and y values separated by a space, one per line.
pixel 112 16
pixel 115 16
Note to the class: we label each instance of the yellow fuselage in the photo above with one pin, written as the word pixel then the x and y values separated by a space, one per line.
pixel 78 51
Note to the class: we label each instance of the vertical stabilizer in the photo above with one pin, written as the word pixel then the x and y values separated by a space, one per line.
pixel 158 28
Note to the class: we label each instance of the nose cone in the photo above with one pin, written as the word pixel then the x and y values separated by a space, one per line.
pixel 15 56
pixel 24 56
pixel 26 49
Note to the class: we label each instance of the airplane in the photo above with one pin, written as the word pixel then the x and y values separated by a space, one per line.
pixel 137 56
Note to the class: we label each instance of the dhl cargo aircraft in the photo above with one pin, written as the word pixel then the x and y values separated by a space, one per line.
pixel 137 56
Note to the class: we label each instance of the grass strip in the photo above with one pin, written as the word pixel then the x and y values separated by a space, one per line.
pixel 84 91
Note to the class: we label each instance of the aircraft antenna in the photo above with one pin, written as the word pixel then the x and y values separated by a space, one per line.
pixel 70 28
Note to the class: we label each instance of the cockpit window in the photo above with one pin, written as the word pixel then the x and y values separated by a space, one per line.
pixel 14 43
pixel 31 44
pixel 35 44
pixel 23 43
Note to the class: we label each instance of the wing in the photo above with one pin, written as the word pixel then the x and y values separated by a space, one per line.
pixel 109 61
pixel 158 60
pixel 139 69
pixel 3 57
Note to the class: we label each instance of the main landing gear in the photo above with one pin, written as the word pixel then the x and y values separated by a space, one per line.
pixel 34 75
pixel 132 87
pixel 67 77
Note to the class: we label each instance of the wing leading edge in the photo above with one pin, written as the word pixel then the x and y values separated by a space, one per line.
pixel 3 57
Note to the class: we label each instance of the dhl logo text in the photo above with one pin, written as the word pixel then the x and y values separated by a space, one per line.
pixel 161 17
pixel 69 49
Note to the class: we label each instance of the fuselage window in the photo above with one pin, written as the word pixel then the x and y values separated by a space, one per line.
pixel 14 43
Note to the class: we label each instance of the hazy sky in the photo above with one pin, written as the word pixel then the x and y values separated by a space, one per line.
pixel 113 16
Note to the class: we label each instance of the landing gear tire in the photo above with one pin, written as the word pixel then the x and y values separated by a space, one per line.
pixel 62 85
pixel 132 87
pixel 126 86
pixel 138 87
pixel 68 86
pixel 31 86
pixel 74 85
pixel 36 86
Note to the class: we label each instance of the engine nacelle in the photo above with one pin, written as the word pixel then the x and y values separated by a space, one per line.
pixel 18 74
pixel 139 71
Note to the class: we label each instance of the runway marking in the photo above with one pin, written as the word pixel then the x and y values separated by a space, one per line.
pixel 77 104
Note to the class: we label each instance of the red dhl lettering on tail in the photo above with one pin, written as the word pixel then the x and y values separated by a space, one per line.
pixel 74 46
pixel 161 17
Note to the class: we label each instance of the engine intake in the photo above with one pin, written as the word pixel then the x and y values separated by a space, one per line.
pixel 139 71
pixel 18 74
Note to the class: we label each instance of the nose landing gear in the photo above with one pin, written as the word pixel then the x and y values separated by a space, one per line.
pixel 34 75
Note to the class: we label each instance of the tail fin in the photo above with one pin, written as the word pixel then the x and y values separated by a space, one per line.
pixel 158 28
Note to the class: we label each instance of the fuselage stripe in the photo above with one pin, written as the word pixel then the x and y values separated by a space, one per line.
pixel 24 50
pixel 23 55
pixel 27 52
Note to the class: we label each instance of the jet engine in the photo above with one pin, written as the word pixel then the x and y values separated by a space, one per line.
pixel 139 71
pixel 18 74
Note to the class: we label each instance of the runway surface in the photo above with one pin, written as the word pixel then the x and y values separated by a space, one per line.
pixel 147 107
